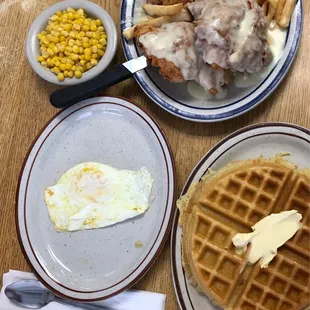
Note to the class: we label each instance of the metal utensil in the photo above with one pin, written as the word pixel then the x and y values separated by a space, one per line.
pixel 34 295
pixel 66 97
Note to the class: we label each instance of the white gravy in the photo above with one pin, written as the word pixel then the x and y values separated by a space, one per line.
pixel 276 38
pixel 174 42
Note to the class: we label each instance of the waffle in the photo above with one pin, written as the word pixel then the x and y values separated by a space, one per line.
pixel 230 201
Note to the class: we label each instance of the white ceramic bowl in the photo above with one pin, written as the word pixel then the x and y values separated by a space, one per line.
pixel 92 10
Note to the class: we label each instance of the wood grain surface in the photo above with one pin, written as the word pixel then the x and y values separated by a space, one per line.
pixel 25 109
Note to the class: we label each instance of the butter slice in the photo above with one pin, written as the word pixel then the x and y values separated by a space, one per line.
pixel 268 235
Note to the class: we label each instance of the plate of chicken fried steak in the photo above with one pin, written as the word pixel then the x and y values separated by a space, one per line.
pixel 211 60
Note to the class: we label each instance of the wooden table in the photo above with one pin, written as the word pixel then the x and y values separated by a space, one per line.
pixel 25 109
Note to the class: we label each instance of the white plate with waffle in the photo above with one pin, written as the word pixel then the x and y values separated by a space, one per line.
pixel 283 276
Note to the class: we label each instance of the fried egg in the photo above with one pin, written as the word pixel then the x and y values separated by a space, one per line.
pixel 92 195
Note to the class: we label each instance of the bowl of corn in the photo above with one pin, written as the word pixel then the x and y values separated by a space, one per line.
pixel 71 42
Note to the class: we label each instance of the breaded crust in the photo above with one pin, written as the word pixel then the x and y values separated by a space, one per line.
pixel 167 68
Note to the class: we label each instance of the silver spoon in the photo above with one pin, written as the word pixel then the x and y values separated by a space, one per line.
pixel 34 295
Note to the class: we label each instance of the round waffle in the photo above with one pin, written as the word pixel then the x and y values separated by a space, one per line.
pixel 230 201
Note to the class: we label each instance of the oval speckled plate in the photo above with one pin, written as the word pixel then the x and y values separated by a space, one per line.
pixel 267 139
pixel 174 97
pixel 95 264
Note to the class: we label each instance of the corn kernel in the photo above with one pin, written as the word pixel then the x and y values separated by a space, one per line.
pixel 70 74
pixel 85 28
pixel 93 62
pixel 67 27
pixel 78 42
pixel 86 44
pixel 70 61
pixel 81 50
pixel 61 47
pixel 75 49
pixel 98 22
pixel 82 57
pixel 55 50
pixel 87 22
pixel 50 51
pixel 56 39
pixel 70 9
pixel 45 54
pixel 78 74
pixel 56 70
pixel 87 57
pixel 74 57
pixel 95 56
pixel 57 63
pixel 80 12
pixel 62 67
pixel 44 63
pixel 100 53
pixel 50 62
pixel 49 37
pixel 61 54
pixel 103 41
pixel 73 68
pixel 70 16
pixel 58 13
pixel 63 60
pixel 81 34
pixel 100 46
pixel 68 49
pixel 101 29
pixel 87 51
pixel 88 66
pixel 68 66
pixel 40 58
pixel 89 34
pixel 71 42
pixel 67 53
pixel 54 17
pixel 45 41
pixel 93 27
pixel 72 34
pixel 83 62
pixel 60 76
pixel 96 35
pixel 76 26
pixel 80 68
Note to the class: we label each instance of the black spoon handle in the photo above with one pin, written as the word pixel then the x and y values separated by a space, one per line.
pixel 68 96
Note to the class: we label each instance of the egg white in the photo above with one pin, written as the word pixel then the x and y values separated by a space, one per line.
pixel 93 195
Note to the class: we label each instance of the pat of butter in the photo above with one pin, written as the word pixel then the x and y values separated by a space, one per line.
pixel 268 235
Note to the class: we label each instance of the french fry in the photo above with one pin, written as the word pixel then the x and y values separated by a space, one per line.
pixel 265 7
pixel 271 12
pixel 128 33
pixel 274 3
pixel 279 10
pixel 184 16
pixel 287 12
pixel 163 10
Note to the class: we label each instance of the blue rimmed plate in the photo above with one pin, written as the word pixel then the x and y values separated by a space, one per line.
pixel 175 98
